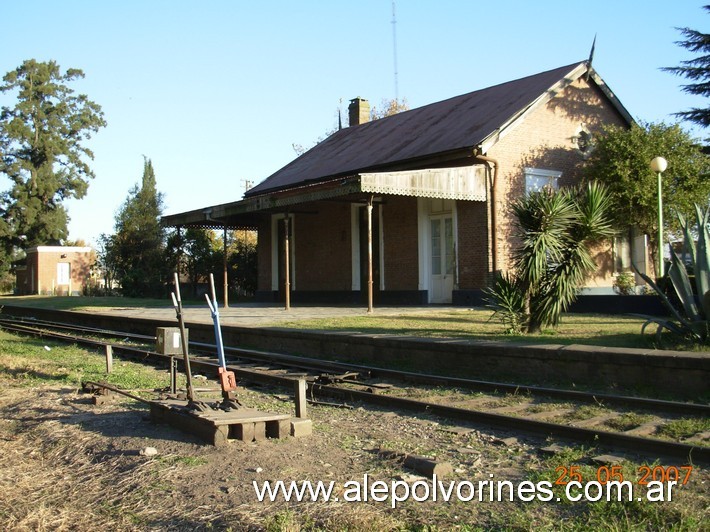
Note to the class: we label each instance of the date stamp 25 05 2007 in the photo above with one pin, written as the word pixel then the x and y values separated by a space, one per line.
pixel 604 474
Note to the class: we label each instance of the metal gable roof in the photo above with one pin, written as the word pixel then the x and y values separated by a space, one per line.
pixel 458 123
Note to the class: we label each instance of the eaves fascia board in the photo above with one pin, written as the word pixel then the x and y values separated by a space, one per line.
pixel 611 96
pixel 307 194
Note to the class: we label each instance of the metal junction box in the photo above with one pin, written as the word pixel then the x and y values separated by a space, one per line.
pixel 167 340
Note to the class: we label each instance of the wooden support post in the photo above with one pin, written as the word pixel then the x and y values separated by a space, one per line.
pixel 369 256
pixel 226 283
pixel 109 358
pixel 300 389
pixel 287 263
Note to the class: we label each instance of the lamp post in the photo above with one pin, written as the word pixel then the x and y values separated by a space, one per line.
pixel 659 165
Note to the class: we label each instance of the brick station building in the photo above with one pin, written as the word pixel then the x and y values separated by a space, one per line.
pixel 431 186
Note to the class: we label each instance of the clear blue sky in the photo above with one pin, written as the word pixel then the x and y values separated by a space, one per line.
pixel 216 92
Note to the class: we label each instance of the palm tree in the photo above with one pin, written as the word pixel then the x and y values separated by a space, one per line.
pixel 556 230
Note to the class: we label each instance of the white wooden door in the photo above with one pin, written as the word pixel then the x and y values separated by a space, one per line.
pixel 443 259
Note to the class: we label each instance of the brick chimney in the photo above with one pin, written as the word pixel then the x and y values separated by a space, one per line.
pixel 359 111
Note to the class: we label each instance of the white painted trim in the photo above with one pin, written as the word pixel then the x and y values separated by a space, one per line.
pixel 60 249
pixel 422 244
pixel 519 117
pixel 542 172
pixel 455 222
pixel 551 176
pixel 464 182
pixel 356 283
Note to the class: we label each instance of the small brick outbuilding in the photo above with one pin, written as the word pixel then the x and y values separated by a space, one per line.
pixel 55 270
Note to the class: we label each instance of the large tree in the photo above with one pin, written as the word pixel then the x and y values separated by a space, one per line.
pixel 194 248
pixel 43 152
pixel 696 70
pixel 620 160
pixel 138 246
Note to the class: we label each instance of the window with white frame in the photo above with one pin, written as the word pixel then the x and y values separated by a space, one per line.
pixel 536 179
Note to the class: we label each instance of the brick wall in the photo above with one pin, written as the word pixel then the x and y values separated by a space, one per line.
pixel 323 247
pixel 401 262
pixel 544 140
pixel 42 266
pixel 473 245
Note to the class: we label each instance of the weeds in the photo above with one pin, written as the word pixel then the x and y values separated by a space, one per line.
pixel 627 421
pixel 684 428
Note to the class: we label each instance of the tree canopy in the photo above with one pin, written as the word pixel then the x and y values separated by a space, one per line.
pixel 43 152
pixel 696 70
pixel 621 161
pixel 389 108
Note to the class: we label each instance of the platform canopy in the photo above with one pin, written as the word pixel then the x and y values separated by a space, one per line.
pixel 460 183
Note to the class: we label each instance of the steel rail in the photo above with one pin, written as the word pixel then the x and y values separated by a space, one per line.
pixel 634 444
pixel 315 364
pixel 73 327
pixel 421 378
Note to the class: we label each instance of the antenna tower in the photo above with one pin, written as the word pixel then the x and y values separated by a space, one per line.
pixel 394 46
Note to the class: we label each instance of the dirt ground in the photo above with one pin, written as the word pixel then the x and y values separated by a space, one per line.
pixel 66 464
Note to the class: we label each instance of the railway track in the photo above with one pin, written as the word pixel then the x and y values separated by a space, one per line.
pixel 648 427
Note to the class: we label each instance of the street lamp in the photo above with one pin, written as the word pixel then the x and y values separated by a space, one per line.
pixel 659 165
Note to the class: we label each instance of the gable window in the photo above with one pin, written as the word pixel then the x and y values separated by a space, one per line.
pixel 536 179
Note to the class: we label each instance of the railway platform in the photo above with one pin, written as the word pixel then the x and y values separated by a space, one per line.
pixel 258 326
pixel 264 314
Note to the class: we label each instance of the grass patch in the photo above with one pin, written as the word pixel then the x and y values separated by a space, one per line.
pixel 627 421
pixel 189 461
pixel 684 428
pixel 589 329
pixel 586 412
pixel 547 407
pixel 29 362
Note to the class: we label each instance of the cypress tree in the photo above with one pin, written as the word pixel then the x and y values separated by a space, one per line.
pixel 139 243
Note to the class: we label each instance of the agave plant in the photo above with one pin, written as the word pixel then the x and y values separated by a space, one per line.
pixel 690 319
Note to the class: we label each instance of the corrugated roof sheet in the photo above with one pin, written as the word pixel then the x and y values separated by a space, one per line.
pixel 457 123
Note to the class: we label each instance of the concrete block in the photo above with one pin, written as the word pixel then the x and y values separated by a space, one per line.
pixel 278 429
pixel 259 431
pixel 244 432
pixel 301 427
